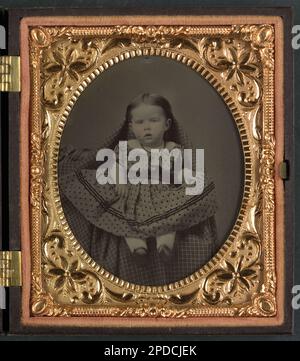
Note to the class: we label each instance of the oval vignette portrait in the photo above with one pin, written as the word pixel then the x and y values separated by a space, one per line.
pixel 139 227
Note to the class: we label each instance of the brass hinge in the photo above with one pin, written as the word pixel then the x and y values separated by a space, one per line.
pixel 10 80
pixel 10 268
pixel 284 170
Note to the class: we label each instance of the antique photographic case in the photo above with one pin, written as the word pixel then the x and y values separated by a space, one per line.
pixel 227 75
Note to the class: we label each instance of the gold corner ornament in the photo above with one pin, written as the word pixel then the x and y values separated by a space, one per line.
pixel 10 268
pixel 10 75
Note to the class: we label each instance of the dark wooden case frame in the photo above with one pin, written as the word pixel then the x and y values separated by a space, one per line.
pixel 3 164
pixel 12 209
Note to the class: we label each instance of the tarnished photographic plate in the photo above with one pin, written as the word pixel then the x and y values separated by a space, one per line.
pixel 223 78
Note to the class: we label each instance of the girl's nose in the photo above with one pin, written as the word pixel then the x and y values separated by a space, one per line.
pixel 147 125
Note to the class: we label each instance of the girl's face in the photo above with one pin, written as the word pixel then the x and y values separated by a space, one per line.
pixel 149 124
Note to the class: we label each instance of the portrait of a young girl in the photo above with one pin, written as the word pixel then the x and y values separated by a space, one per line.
pixel 150 234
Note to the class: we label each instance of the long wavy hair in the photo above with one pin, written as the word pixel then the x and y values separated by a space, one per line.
pixel 175 133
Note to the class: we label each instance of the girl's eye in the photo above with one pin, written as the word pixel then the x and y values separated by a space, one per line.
pixel 140 121
pixel 154 120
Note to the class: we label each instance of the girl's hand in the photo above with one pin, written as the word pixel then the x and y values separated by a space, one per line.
pixel 122 190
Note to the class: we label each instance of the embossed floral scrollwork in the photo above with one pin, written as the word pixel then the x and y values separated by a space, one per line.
pixel 42 303
pixel 154 310
pixel 263 304
pixel 66 275
pixel 36 170
pixel 64 65
pixel 237 64
pixel 238 275
pixel 42 37
pixel 152 34
pixel 173 37
pixel 261 39
pixel 145 305
pixel 267 170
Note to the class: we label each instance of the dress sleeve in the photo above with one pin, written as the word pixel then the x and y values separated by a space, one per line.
pixel 79 158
